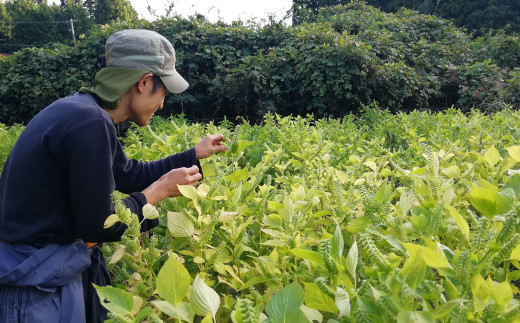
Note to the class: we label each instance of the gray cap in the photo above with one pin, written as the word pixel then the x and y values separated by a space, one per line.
pixel 145 50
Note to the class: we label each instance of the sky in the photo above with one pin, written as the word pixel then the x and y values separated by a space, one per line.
pixel 226 10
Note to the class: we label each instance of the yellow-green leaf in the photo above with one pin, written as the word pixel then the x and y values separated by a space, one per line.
pixel 459 220
pixel 317 299
pixel 492 156
pixel 188 191
pixel 481 292
pixel 111 220
pixel 173 290
pixel 514 152
pixel 484 200
pixel 452 171
pixel 502 293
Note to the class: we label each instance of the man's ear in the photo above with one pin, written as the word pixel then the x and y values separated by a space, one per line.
pixel 143 81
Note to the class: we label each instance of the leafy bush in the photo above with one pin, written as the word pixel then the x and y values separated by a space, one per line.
pixel 346 57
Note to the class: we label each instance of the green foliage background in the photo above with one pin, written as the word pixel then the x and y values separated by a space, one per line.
pixel 349 56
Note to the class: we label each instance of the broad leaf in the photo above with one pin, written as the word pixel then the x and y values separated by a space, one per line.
pixel 173 281
pixel 115 300
pixel 179 225
pixel 150 212
pixel 204 300
pixel 352 259
pixel 514 152
pixel 111 220
pixel 317 299
pixel 492 156
pixel 484 200
pixel 342 302
pixel 285 305
pixel 502 293
pixel 415 317
pixel 309 255
pixel 188 191
pixel 337 244
pixel 459 220
pixel 481 292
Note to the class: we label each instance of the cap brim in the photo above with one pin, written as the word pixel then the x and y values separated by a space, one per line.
pixel 175 83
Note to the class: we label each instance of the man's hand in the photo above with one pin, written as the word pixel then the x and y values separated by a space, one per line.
pixel 166 185
pixel 210 145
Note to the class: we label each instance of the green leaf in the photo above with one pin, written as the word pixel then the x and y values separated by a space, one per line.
pixel 447 307
pixel 459 220
pixel 358 224
pixel 238 175
pixel 415 317
pixel 312 314
pixel 182 311
pixel 143 313
pixel 420 222
pixel 384 193
pixel 481 292
pixel 484 200
pixel 317 299
pixel 352 259
pixel 173 290
pixel 515 254
pixel 431 257
pixel 452 171
pixel 342 300
pixel 118 254
pixel 502 293
pixel 337 244
pixel 150 212
pixel 492 156
pixel 404 203
pixel 111 220
pixel 179 225
pixel 514 183
pixel 514 152
pixel 237 191
pixel 414 271
pixel 207 319
pixel 309 255
pixel 209 170
pixel 285 305
pixel 505 201
pixel 119 301
pixel 188 191
pixel 204 300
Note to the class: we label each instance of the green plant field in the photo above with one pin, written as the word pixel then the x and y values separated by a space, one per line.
pixel 371 218
pixel 378 218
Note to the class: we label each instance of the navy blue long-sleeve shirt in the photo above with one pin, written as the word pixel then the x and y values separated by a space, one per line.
pixel 57 182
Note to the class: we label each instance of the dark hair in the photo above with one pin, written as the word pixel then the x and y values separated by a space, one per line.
pixel 157 83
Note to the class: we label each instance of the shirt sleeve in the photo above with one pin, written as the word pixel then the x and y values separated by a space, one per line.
pixel 133 176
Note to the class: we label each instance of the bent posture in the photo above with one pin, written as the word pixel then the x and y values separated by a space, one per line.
pixel 56 186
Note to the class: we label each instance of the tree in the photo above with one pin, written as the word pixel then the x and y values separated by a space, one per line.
pixel 471 14
pixel 114 10
pixel 34 24
pixel 304 10
pixel 89 6
pixel 5 29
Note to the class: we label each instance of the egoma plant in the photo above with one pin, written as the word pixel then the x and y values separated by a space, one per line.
pixel 382 218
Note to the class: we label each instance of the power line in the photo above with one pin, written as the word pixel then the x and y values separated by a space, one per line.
pixel 43 22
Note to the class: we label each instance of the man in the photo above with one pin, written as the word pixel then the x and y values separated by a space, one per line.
pixel 55 189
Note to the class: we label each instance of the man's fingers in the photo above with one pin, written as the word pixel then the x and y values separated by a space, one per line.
pixel 221 148
pixel 193 170
pixel 195 178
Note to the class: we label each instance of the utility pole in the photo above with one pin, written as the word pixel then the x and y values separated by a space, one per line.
pixel 72 30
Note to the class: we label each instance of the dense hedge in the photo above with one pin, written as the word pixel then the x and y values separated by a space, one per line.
pixel 350 56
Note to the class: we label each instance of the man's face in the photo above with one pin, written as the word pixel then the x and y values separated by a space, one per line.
pixel 146 102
